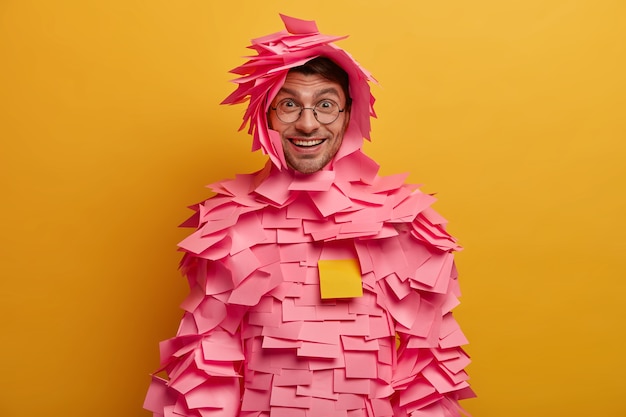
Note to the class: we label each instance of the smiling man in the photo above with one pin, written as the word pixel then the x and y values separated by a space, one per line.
pixel 317 287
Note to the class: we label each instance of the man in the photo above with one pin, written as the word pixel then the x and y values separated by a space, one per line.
pixel 317 287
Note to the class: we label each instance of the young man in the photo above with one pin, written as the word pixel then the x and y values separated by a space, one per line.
pixel 317 287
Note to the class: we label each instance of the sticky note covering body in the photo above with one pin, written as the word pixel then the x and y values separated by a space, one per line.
pixel 257 270
pixel 264 334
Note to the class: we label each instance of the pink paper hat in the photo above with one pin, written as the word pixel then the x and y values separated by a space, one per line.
pixel 264 74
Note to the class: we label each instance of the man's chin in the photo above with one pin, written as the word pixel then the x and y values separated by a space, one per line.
pixel 307 166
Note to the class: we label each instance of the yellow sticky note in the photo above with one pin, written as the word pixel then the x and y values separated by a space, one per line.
pixel 340 278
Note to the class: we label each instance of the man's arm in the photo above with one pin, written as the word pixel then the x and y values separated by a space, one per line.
pixel 418 286
pixel 202 362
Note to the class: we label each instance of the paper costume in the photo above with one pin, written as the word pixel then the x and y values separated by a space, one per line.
pixel 314 295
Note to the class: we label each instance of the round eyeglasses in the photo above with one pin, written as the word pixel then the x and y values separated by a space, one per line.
pixel 325 111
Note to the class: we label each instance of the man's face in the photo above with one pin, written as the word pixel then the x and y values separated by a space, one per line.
pixel 309 145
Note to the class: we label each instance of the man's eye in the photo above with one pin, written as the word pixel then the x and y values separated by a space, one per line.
pixel 288 106
pixel 326 106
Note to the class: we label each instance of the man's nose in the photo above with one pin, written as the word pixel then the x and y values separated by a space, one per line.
pixel 307 122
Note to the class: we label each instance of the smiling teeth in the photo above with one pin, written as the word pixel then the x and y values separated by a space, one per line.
pixel 307 142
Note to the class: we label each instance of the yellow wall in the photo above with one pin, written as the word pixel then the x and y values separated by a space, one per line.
pixel 513 111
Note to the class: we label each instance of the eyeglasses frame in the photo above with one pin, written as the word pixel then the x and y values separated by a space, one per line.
pixel 302 108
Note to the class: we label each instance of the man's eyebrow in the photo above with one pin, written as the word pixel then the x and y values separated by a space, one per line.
pixel 329 90
pixel 324 91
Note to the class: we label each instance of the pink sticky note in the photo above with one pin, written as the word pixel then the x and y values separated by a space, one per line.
pixel 209 314
pixel 287 290
pixel 237 186
pixel 246 233
pixel 303 209
pixel 218 393
pixel 292 236
pixel 319 350
pixel 390 182
pixel 294 252
pixel 221 346
pixel 287 412
pixel 158 395
pixel 456 338
pixel 386 232
pixel 320 332
pixel 217 250
pixel 193 299
pixel 271 319
pixel 365 194
pixel 321 230
pixel 359 327
pixel 399 287
pixel 242 264
pixel 440 381
pixel 287 397
pixel 385 352
pixel 418 202
pixel 403 311
pixel 321 386
pixel 381 407
pixel 293 272
pixel 318 181
pixel 310 296
pixel 299 26
pixel 380 327
pixel 350 402
pixel 214 226
pixel 276 343
pixel 277 219
pixel 429 271
pixel 254 400
pixel 275 188
pixel 331 201
pixel 416 391
pixel 455 377
pixel 222 369
pixel 289 330
pixel 290 377
pixel 188 381
pixel 316 364
pixel 258 380
pixel 220 279
pixel 429 315
pixel 291 312
pixel 338 311
pixel 266 254
pixel 359 343
pixel 358 167
pixel 218 209
pixel 387 257
pixel 362 228
pixel 456 365
pixel 197 243
pixel 350 385
pixel 361 364
pixel 250 291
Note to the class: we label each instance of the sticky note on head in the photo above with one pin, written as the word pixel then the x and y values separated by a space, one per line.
pixel 340 278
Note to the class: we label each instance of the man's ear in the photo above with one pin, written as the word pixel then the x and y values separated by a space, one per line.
pixel 347 121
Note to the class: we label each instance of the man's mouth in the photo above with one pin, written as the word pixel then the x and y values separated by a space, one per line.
pixel 302 143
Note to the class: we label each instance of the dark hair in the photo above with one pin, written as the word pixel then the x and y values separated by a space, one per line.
pixel 327 68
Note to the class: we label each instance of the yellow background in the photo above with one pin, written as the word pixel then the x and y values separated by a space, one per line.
pixel 512 111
